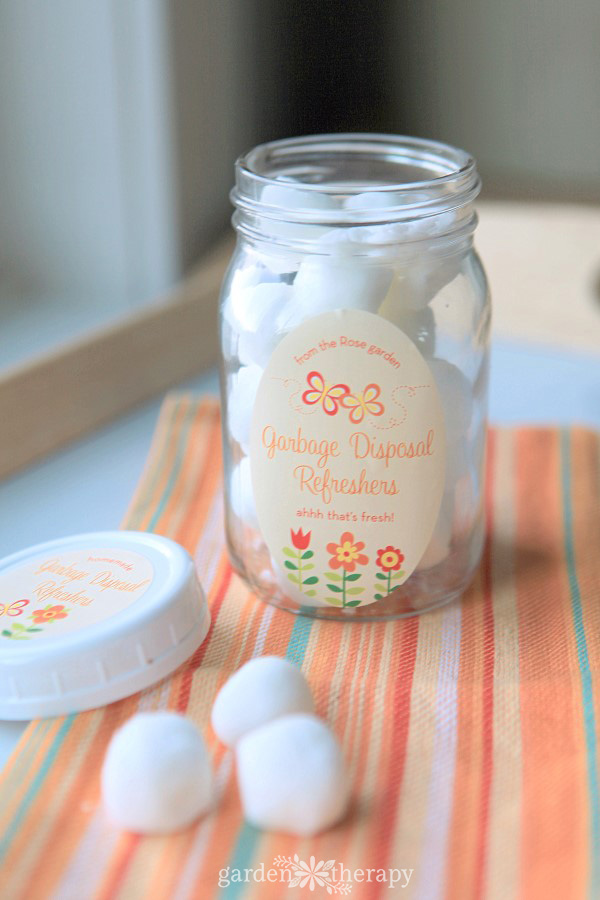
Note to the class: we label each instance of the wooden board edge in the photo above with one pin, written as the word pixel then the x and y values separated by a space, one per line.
pixel 82 385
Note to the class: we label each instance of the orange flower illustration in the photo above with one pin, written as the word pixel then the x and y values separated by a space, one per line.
pixel 389 558
pixel 364 404
pixel 48 614
pixel 346 554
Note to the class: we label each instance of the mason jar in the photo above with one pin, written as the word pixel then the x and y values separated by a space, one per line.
pixel 355 321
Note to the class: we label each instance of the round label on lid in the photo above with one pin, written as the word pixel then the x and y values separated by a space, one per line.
pixel 92 618
pixel 61 592
pixel 348 458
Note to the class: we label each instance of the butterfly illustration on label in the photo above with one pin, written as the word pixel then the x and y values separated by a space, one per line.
pixel 333 396
pixel 13 609
pixel 329 396
pixel 364 404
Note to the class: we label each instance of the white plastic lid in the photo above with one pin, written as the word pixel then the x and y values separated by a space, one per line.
pixel 93 618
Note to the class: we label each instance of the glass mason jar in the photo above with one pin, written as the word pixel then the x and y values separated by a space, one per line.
pixel 355 324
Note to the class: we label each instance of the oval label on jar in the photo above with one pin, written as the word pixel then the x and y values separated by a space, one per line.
pixel 347 455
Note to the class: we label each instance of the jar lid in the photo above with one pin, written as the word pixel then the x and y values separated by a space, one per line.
pixel 90 619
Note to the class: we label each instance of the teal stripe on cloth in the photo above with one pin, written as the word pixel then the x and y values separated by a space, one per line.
pixel 298 642
pixel 7 837
pixel 152 476
pixel 249 836
pixel 589 717
pixel 181 450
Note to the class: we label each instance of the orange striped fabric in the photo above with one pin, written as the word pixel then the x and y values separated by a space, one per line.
pixel 471 733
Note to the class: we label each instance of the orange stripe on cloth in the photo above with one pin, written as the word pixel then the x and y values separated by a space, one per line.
pixel 86 745
pixel 22 767
pixel 554 838
pixel 166 444
pixel 585 457
pixel 503 860
pixel 465 730
pixel 487 687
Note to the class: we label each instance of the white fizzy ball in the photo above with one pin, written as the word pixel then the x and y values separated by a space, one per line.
pixel 287 195
pixel 278 257
pixel 437 549
pixel 398 238
pixel 456 395
pixel 256 347
pixel 293 232
pixel 457 463
pixel 426 278
pixel 439 545
pixel 263 689
pixel 417 324
pixel 252 307
pixel 324 283
pixel 385 199
pixel 156 775
pixel 372 200
pixel 467 504
pixel 292 776
pixel 462 323
pixel 242 494
pixel 236 308
pixel 456 515
pixel 253 315
pixel 243 386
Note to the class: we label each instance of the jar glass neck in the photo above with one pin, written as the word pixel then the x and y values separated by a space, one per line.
pixel 383 189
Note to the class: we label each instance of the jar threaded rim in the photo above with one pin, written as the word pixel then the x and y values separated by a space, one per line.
pixel 353 179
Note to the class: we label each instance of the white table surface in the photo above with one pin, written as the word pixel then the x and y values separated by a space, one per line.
pixel 87 486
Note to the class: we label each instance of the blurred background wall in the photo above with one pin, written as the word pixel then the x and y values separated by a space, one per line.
pixel 120 121
pixel 119 124
pixel 516 82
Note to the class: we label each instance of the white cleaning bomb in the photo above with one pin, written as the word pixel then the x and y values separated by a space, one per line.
pixel 156 776
pixel 292 776
pixel 324 284
pixel 262 690
pixel 241 493
pixel 258 323
pixel 242 393
pixel 457 398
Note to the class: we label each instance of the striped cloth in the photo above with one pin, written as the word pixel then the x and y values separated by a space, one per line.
pixel 470 732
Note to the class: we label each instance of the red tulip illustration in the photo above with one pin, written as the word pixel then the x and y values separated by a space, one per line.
pixel 299 540
pixel 298 562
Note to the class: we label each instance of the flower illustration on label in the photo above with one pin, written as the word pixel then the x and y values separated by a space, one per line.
pixel 298 562
pixel 389 560
pixel 328 395
pixel 20 632
pixel 364 404
pixel 345 555
pixel 49 614
pixel 299 540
